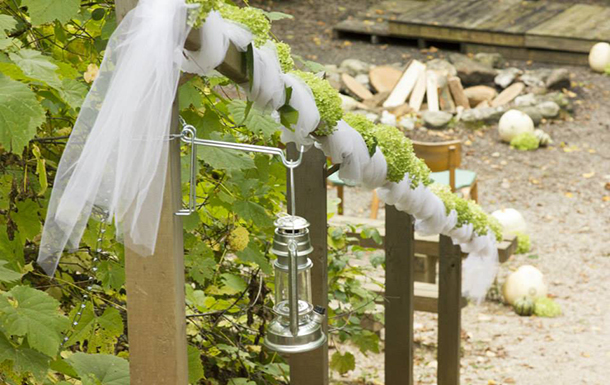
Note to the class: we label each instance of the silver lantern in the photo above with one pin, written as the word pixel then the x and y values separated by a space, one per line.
pixel 297 326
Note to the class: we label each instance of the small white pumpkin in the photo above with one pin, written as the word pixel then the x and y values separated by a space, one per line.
pixel 513 123
pixel 599 57
pixel 527 282
pixel 511 220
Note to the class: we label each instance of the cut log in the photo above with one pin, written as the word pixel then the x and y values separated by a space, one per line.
pixel 446 101
pixel 355 88
pixel 457 91
pixel 405 85
pixel 376 100
pixel 483 104
pixel 508 95
pixel 417 97
pixel 384 78
pixel 478 94
pixel 432 91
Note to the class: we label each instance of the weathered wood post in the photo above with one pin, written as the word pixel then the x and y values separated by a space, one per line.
pixel 155 285
pixel 449 312
pixel 311 368
pixel 399 278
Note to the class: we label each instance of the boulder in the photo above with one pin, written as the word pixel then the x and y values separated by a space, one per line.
pixel 363 79
pixel 407 123
pixel 388 118
pixel 436 119
pixel 548 109
pixel 472 72
pixel 525 100
pixel 507 76
pixel 354 67
pixel 442 66
pixel 494 60
pixel 486 115
pixel 558 97
pixel 536 78
pixel 533 113
pixel 348 103
pixel 558 79
pixel 478 94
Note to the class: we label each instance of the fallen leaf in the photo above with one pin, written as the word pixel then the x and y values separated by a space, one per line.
pixel 606 198
pixel 569 195
pixel 588 175
pixel 607 186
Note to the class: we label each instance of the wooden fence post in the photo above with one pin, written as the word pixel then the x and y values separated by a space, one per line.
pixel 311 368
pixel 155 285
pixel 449 312
pixel 399 274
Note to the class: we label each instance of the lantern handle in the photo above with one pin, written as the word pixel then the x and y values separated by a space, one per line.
pixel 293 287
pixel 189 135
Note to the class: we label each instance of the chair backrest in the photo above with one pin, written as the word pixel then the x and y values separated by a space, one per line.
pixel 441 156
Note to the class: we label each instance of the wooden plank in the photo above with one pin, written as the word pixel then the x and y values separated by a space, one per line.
pixel 446 101
pixel 405 85
pixel 457 91
pixel 355 88
pixel 156 313
pixel 432 91
pixel 449 312
pixel 311 368
pixel 419 92
pixel 508 95
pixel 399 288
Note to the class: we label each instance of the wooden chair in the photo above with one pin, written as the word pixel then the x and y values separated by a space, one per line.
pixel 443 159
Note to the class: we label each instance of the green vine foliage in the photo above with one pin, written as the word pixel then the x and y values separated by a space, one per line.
pixel 49 53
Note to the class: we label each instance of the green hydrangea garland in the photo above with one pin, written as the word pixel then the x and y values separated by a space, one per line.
pixel 327 101
pixel 252 18
pixel 525 142
pixel 365 128
pixel 524 244
pixel 198 16
pixel 284 56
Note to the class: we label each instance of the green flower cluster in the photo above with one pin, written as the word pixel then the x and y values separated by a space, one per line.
pixel 467 211
pixel 524 244
pixel 365 128
pixel 198 16
pixel 546 307
pixel 327 101
pixel 525 142
pixel 398 152
pixel 284 56
pixel 252 18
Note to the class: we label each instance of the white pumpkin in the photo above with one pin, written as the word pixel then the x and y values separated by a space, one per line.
pixel 527 281
pixel 513 123
pixel 511 220
pixel 599 57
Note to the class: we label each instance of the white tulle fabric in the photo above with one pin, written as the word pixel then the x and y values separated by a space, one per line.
pixel 116 157
pixel 266 87
pixel 303 101
pixel 215 35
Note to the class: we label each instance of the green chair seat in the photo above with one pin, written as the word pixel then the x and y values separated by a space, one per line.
pixel 463 178
pixel 334 179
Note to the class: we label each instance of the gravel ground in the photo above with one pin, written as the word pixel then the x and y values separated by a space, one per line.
pixel 560 191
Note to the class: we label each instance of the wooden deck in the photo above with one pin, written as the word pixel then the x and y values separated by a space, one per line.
pixel 529 30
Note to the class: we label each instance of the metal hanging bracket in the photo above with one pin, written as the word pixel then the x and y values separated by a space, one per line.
pixel 189 136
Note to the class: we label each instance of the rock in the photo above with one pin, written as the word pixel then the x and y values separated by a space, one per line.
pixel 348 103
pixel 485 115
pixel 533 113
pixel 384 78
pixel 442 66
pixel 494 60
pixel 363 79
pixel 558 97
pixel 536 78
pixel 407 123
pixel 548 109
pixel 436 119
pixel 388 118
pixel 558 79
pixel 372 117
pixel 543 138
pixel 354 67
pixel 525 100
pixel 472 72
pixel 506 77
pixel 478 94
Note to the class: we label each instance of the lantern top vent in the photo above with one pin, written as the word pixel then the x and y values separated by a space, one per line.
pixel 291 224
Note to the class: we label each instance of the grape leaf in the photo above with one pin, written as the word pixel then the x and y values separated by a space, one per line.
pixel 195 365
pixel 254 254
pixel 7 23
pixel 24 359
pixel 100 369
pixel 27 219
pixel 253 118
pixel 73 92
pixel 240 381
pixel 225 159
pixel 366 341
pixel 25 311
pixel 234 282
pixel 200 268
pixel 111 274
pixel 8 275
pixel 46 11
pixel 20 114
pixel 342 363
pixel 254 212
pixel 110 324
pixel 37 66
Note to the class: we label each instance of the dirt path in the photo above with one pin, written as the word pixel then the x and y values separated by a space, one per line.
pixel 560 192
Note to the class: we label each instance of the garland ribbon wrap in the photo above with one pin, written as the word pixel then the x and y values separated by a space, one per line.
pixel 117 154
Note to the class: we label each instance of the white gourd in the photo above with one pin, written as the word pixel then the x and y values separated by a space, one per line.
pixel 599 57
pixel 511 220
pixel 513 123
pixel 527 281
